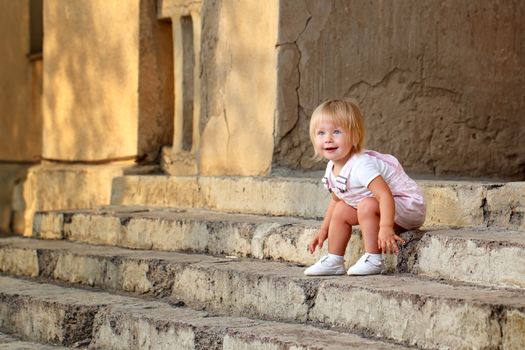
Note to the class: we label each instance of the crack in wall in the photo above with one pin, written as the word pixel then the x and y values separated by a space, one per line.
pixel 485 212
pixel 498 315
pixel 384 81
pixel 496 214
pixel 280 133
pixel 434 94
pixel 311 289
pixel 228 139
pixel 307 22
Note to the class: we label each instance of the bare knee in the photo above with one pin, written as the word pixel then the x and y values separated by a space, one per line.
pixel 344 212
pixel 368 206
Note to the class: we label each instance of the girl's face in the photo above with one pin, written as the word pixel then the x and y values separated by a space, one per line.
pixel 332 142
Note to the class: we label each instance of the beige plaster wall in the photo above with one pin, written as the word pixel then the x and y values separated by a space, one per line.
pixel 441 83
pixel 239 86
pixel 103 88
pixel 20 131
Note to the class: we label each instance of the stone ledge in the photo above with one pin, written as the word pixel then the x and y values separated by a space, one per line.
pixel 201 231
pixel 402 308
pixel 486 256
pixel 8 342
pixel 482 256
pixel 51 186
pixel 450 203
pixel 118 322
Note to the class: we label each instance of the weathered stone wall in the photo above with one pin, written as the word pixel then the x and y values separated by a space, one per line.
pixel 20 97
pixel 238 86
pixel 107 79
pixel 20 138
pixel 156 81
pixel 441 83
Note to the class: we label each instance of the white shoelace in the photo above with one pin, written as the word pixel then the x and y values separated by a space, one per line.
pixel 366 259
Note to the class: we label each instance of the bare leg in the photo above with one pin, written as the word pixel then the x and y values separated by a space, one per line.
pixel 368 216
pixel 340 229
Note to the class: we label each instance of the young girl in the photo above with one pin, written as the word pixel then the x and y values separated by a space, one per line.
pixel 368 189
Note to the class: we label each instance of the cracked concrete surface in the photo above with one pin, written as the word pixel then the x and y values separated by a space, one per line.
pixel 487 257
pixel 121 322
pixel 395 307
pixel 419 75
pixel 294 18
pixel 239 87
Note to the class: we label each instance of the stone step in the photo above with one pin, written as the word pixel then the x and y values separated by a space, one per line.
pixel 75 317
pixel 450 203
pixel 196 230
pixel 476 255
pixel 481 256
pixel 8 342
pixel 403 308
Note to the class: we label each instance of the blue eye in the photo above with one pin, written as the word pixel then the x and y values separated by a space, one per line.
pixel 337 132
pixel 320 133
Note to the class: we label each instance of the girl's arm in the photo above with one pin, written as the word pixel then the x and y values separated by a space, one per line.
pixel 322 234
pixel 387 239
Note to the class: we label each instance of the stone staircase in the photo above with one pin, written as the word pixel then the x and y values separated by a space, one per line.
pixel 217 263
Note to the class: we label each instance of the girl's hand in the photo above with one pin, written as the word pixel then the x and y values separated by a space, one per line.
pixel 387 240
pixel 317 241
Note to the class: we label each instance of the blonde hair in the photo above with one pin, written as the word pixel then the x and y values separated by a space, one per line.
pixel 346 115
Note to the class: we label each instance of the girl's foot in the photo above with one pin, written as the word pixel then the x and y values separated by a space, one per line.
pixel 368 264
pixel 327 266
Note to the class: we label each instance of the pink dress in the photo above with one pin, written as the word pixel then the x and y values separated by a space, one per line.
pixel 351 185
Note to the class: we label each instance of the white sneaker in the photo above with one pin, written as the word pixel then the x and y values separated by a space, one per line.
pixel 366 265
pixel 325 267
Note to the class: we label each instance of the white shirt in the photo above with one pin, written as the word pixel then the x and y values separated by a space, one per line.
pixel 365 168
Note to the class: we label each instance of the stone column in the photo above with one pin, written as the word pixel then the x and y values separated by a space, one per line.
pixel 103 105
